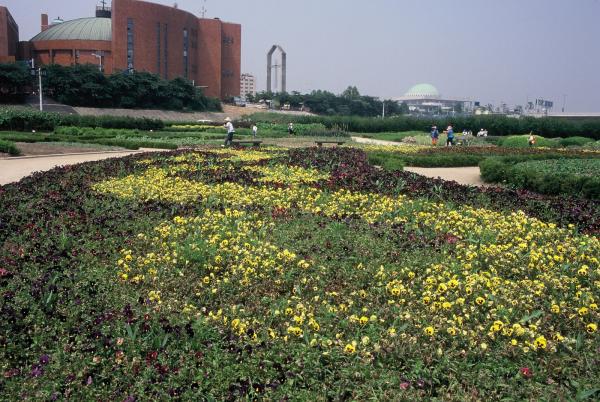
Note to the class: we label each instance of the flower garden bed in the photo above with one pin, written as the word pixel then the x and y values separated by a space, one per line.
pixel 304 274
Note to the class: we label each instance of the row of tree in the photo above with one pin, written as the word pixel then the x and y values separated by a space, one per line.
pixel 349 102
pixel 84 85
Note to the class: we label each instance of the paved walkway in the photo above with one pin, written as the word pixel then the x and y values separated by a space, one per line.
pixel 463 175
pixel 371 141
pixel 14 169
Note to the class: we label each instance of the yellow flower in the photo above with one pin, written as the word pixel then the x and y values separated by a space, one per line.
pixel 540 342
pixel 451 331
pixel 363 320
pixel 429 331
pixel 591 328
pixel 350 349
pixel 480 300
pixel 497 326
pixel 555 309
pixel 582 311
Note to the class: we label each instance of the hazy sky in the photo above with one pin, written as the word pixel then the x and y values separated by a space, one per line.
pixel 487 50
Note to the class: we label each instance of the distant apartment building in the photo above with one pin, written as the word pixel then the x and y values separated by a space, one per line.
pixel 9 36
pixel 247 85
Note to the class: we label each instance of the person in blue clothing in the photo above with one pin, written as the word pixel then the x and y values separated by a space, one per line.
pixel 450 133
pixel 435 134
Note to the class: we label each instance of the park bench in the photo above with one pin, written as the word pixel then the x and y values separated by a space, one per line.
pixel 255 143
pixel 320 143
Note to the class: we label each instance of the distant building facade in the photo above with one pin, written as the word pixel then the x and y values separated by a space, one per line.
pixel 9 36
pixel 247 85
pixel 137 35
pixel 425 100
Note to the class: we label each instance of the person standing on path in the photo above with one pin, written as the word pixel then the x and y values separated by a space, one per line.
pixel 230 132
pixel 450 132
pixel 435 134
pixel 254 131
pixel 291 128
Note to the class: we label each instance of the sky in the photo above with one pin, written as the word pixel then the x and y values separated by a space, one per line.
pixel 491 51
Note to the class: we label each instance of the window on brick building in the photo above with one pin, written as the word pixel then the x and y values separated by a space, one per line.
pixel 166 51
pixel 130 44
pixel 158 48
pixel 185 52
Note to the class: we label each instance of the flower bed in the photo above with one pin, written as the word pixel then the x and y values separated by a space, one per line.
pixel 236 274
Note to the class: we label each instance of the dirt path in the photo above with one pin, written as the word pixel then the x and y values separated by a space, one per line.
pixel 14 169
pixel 463 175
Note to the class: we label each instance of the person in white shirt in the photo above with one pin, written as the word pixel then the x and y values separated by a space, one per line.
pixel 230 131
pixel 254 131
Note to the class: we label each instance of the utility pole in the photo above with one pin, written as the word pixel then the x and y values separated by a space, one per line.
pixel 40 85
pixel 383 110
pixel 564 103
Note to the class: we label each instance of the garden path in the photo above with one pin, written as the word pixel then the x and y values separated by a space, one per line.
pixel 371 141
pixel 463 175
pixel 14 169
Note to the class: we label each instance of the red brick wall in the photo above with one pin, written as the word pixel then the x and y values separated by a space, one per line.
pixel 231 59
pixel 69 52
pixel 209 57
pixel 145 17
pixel 9 34
pixel 207 54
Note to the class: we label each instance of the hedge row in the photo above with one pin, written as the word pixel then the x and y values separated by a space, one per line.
pixel 22 119
pixel 550 127
pixel 574 177
pixel 9 147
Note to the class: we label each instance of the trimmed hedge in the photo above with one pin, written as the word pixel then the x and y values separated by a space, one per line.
pixel 550 127
pixel 9 147
pixel 575 177
pixel 22 119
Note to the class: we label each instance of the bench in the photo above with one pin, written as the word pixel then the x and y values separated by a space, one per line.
pixel 320 143
pixel 255 143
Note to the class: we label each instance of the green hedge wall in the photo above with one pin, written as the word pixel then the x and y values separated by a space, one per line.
pixel 22 119
pixel 576 177
pixel 550 127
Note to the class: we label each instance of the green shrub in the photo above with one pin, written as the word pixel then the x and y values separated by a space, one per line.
pixel 9 147
pixel 577 177
pixel 24 119
pixel 521 141
pixel 575 141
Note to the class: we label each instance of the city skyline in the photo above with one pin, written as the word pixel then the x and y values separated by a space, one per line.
pixel 488 51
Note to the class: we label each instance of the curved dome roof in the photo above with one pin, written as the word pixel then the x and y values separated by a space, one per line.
pixel 79 29
pixel 423 91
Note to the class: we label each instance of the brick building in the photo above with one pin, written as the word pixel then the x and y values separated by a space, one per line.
pixel 9 36
pixel 142 36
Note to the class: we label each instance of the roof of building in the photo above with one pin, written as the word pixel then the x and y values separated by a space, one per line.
pixel 79 29
pixel 422 91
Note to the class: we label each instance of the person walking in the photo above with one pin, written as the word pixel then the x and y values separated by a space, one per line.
pixel 435 134
pixel 230 132
pixel 450 138
pixel 291 128
pixel 254 131
pixel 531 139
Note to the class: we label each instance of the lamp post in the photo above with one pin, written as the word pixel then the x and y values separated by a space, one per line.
pixel 99 55
pixel 39 73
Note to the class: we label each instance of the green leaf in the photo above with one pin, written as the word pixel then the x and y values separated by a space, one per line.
pixel 583 395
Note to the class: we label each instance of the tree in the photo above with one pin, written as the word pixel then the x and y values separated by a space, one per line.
pixel 14 79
